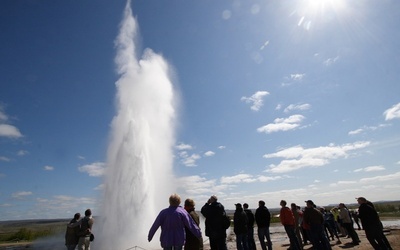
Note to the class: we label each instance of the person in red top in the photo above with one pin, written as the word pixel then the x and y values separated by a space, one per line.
pixel 288 222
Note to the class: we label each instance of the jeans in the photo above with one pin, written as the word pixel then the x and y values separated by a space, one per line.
pixel 263 233
pixel 351 232
pixel 250 239
pixel 241 241
pixel 319 240
pixel 294 242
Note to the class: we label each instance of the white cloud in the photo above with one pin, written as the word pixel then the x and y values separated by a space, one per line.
pixel 330 61
pixel 197 186
pixel 282 124
pixel 3 116
pixel 374 168
pixel 48 168
pixel 367 128
pixel 292 107
pixel 190 160
pixel 95 169
pixel 183 146
pixel 7 130
pixel 293 78
pixel 297 77
pixel 393 112
pixel 21 194
pixel 355 132
pixel 100 187
pixel 298 157
pixel 382 178
pixel 209 153
pixel 342 183
pixel 247 178
pixel 237 179
pixel 80 157
pixel 22 153
pixel 62 205
pixel 3 158
pixel 370 169
pixel 221 147
pixel 256 99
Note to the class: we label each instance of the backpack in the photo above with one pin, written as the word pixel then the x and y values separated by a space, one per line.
pixel 226 221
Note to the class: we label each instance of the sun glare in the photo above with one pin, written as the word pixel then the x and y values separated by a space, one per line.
pixel 321 5
pixel 311 11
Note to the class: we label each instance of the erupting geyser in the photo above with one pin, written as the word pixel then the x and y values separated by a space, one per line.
pixel 138 179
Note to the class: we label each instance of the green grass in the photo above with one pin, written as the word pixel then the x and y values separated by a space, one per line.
pixel 16 231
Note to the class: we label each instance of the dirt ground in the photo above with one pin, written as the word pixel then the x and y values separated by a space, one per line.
pixel 393 236
pixel 279 242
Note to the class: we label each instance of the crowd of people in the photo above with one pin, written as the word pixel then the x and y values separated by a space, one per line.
pixel 309 225
pixel 79 231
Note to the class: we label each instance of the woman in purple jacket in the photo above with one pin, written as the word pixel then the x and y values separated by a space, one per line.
pixel 173 221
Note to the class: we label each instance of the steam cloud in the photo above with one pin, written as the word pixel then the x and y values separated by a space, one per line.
pixel 139 177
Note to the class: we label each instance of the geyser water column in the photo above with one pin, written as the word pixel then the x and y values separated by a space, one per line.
pixel 138 179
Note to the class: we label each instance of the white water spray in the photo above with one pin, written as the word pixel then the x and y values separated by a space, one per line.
pixel 139 176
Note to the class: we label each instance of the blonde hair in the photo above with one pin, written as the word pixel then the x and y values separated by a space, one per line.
pixel 174 200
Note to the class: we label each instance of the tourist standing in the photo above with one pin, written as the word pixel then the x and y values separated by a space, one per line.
pixel 263 219
pixel 297 222
pixel 372 225
pixel 192 242
pixel 214 212
pixel 85 231
pixel 71 235
pixel 240 227
pixel 315 220
pixel 347 223
pixel 250 227
pixel 287 220
pixel 173 221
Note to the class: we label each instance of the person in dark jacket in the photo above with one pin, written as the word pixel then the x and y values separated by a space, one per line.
pixel 85 231
pixel 214 213
pixel 250 227
pixel 71 235
pixel 372 225
pixel 192 242
pixel 263 219
pixel 315 220
pixel 240 227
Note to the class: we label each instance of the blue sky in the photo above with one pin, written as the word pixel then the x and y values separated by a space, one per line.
pixel 290 100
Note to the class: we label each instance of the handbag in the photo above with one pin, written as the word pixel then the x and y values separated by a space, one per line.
pixel 91 237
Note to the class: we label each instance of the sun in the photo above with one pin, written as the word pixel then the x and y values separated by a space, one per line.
pixel 324 5
pixel 318 11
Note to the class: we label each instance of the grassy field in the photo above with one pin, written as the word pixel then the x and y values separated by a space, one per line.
pixel 29 230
